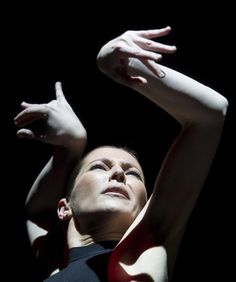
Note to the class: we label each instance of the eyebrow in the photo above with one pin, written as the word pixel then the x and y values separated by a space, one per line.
pixel 110 162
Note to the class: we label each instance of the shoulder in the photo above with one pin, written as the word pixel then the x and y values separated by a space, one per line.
pixel 138 252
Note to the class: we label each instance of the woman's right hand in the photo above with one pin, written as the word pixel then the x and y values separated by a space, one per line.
pixel 60 125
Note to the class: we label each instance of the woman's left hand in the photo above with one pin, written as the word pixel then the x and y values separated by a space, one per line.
pixel 113 58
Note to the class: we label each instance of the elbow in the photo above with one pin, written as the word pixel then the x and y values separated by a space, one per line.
pixel 221 107
pixel 211 112
pixel 224 106
pixel 217 109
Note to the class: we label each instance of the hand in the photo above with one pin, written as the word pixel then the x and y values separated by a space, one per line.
pixel 61 126
pixel 113 58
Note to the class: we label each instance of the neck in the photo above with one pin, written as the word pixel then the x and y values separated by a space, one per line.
pixel 79 235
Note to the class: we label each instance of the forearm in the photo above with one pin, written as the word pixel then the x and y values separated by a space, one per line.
pixel 184 98
pixel 50 185
pixel 131 59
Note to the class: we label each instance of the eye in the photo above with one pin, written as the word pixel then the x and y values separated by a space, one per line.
pixel 134 173
pixel 98 167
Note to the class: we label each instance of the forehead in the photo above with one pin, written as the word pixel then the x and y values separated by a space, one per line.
pixel 113 154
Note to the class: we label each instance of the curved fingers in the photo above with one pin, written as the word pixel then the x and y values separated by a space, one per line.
pixel 30 114
pixel 138 53
pixel 153 46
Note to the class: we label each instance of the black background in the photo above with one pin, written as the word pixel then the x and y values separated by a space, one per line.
pixel 42 44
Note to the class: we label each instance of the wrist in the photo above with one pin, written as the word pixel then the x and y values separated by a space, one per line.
pixel 76 144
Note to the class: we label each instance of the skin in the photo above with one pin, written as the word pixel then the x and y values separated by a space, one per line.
pixel 99 211
pixel 149 237
pixel 94 207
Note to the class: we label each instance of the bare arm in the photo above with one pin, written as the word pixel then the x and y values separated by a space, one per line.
pixel 131 59
pixel 63 129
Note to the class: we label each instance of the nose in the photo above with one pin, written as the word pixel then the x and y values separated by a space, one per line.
pixel 117 173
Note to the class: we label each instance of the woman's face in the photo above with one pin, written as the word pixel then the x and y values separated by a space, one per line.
pixel 110 181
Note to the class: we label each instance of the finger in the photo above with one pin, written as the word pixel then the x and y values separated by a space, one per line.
pixel 29 115
pixel 139 53
pixel 25 105
pixel 154 67
pixel 138 80
pixel 155 46
pixel 25 133
pixel 29 134
pixel 125 79
pixel 154 33
pixel 59 93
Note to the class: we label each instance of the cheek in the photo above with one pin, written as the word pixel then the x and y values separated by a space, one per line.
pixel 87 185
pixel 141 195
pixel 84 193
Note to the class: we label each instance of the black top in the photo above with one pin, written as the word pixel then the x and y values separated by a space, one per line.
pixel 86 264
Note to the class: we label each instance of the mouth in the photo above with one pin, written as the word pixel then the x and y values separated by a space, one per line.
pixel 115 191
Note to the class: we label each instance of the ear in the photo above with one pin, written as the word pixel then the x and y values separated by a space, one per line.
pixel 64 211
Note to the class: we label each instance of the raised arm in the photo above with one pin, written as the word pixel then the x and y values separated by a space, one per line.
pixel 131 59
pixel 60 127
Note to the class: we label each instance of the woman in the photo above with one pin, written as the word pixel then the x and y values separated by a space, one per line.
pixel 114 233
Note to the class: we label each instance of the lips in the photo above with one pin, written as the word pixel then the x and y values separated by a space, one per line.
pixel 117 191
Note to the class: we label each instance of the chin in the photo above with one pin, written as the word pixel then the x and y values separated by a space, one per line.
pixel 119 213
pixel 116 204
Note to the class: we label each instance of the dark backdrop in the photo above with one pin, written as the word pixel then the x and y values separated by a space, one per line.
pixel 43 44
